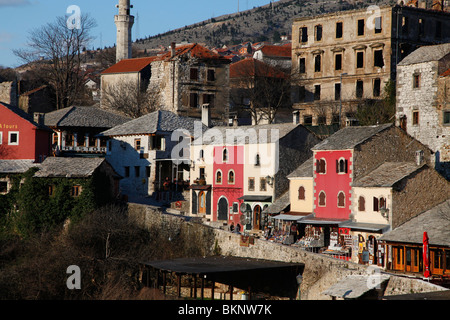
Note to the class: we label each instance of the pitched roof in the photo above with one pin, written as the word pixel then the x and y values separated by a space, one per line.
pixel 446 73
pixel 276 51
pixel 350 137
pixel 83 117
pixel 305 170
pixel 59 167
pixel 129 65
pixel 157 121
pixel 24 115
pixel 387 174
pixel 16 166
pixel 426 54
pixel 436 222
pixel 194 50
pixel 249 134
pixel 251 67
pixel 279 204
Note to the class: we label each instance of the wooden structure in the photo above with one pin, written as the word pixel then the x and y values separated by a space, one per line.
pixel 251 275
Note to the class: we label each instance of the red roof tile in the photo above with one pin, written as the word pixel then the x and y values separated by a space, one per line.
pixel 276 51
pixel 254 68
pixel 446 73
pixel 195 50
pixel 130 65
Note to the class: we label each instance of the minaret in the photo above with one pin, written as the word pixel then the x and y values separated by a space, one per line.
pixel 124 22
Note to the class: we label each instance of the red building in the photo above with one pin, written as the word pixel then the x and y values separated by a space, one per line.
pixel 21 138
pixel 228 183
pixel 333 177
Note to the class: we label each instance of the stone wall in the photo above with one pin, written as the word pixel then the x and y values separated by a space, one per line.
pixel 8 92
pixel 320 271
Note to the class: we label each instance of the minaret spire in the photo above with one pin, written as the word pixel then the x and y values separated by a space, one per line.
pixel 124 22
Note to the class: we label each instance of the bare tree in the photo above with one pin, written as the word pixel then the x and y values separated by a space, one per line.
pixel 129 99
pixel 261 88
pixel 61 48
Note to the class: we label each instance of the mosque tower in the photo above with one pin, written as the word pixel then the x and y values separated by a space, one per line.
pixel 124 22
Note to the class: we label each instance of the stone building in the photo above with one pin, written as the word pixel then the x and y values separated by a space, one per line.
pixel 124 22
pixel 423 103
pixel 344 58
pixel 190 76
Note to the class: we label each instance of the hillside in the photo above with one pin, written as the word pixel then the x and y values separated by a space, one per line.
pixel 266 23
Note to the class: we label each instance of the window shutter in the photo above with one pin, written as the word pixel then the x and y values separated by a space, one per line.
pixel 346 166
pixel 375 204
pixel 337 166
pixel 317 166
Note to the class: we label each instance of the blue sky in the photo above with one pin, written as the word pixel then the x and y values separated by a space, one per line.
pixel 19 17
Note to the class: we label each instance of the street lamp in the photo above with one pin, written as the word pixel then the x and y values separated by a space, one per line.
pixel 340 99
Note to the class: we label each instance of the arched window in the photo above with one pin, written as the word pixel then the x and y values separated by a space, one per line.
pixel 257 160
pixel 382 203
pixel 322 199
pixel 225 155
pixel 202 154
pixel 341 166
pixel 341 199
pixel 361 204
pixel 219 176
pixel 301 193
pixel 231 177
pixel 321 166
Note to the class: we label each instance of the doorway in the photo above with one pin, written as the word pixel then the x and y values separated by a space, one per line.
pixel 222 209
pixel 257 217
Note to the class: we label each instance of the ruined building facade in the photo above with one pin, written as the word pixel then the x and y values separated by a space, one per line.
pixel 344 58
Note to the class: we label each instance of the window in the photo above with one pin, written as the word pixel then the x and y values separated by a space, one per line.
pixel 257 160
pixel 1 137
pixel 339 30
pixel 137 144
pixel 127 171
pixel 193 100
pixel 342 166
pixel 361 27
pixel 211 76
pixel 317 63
pixel 13 138
pixel 382 203
pixel 251 184
pixel 231 177
pixel 235 207
pixel 338 61
pixel 76 191
pixel 322 199
pixel 148 171
pixel 337 91
pixel 321 166
pixel 415 117
pixel 202 173
pixel 302 65
pixel 225 155
pixel 307 120
pixel 208 99
pixel 446 117
pixel 317 92
pixel 51 190
pixel 157 143
pixel 416 80
pixel 360 59
pixel 318 32
pixel 262 184
pixel 219 176
pixel 359 88
pixel 137 171
pixel 378 58
pixel 3 186
pixel 69 139
pixel 301 193
pixel 376 87
pixel 303 34
pixel 361 204
pixel 375 204
pixel 194 74
pixel 341 199
pixel 378 25
pixel 301 93
pixel 322 120
pixel 81 140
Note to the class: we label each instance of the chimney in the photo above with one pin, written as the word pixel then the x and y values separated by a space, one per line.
pixel 419 157
pixel 206 115
pixel 172 49
pixel 296 117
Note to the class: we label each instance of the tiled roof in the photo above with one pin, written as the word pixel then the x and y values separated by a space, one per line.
pixel 426 54
pixel 445 73
pixel 279 204
pixel 277 51
pixel 350 137
pixel 305 170
pixel 59 167
pixel 251 67
pixel 16 166
pixel 75 116
pixel 387 174
pixel 157 121
pixel 436 222
pixel 195 51
pixel 129 65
